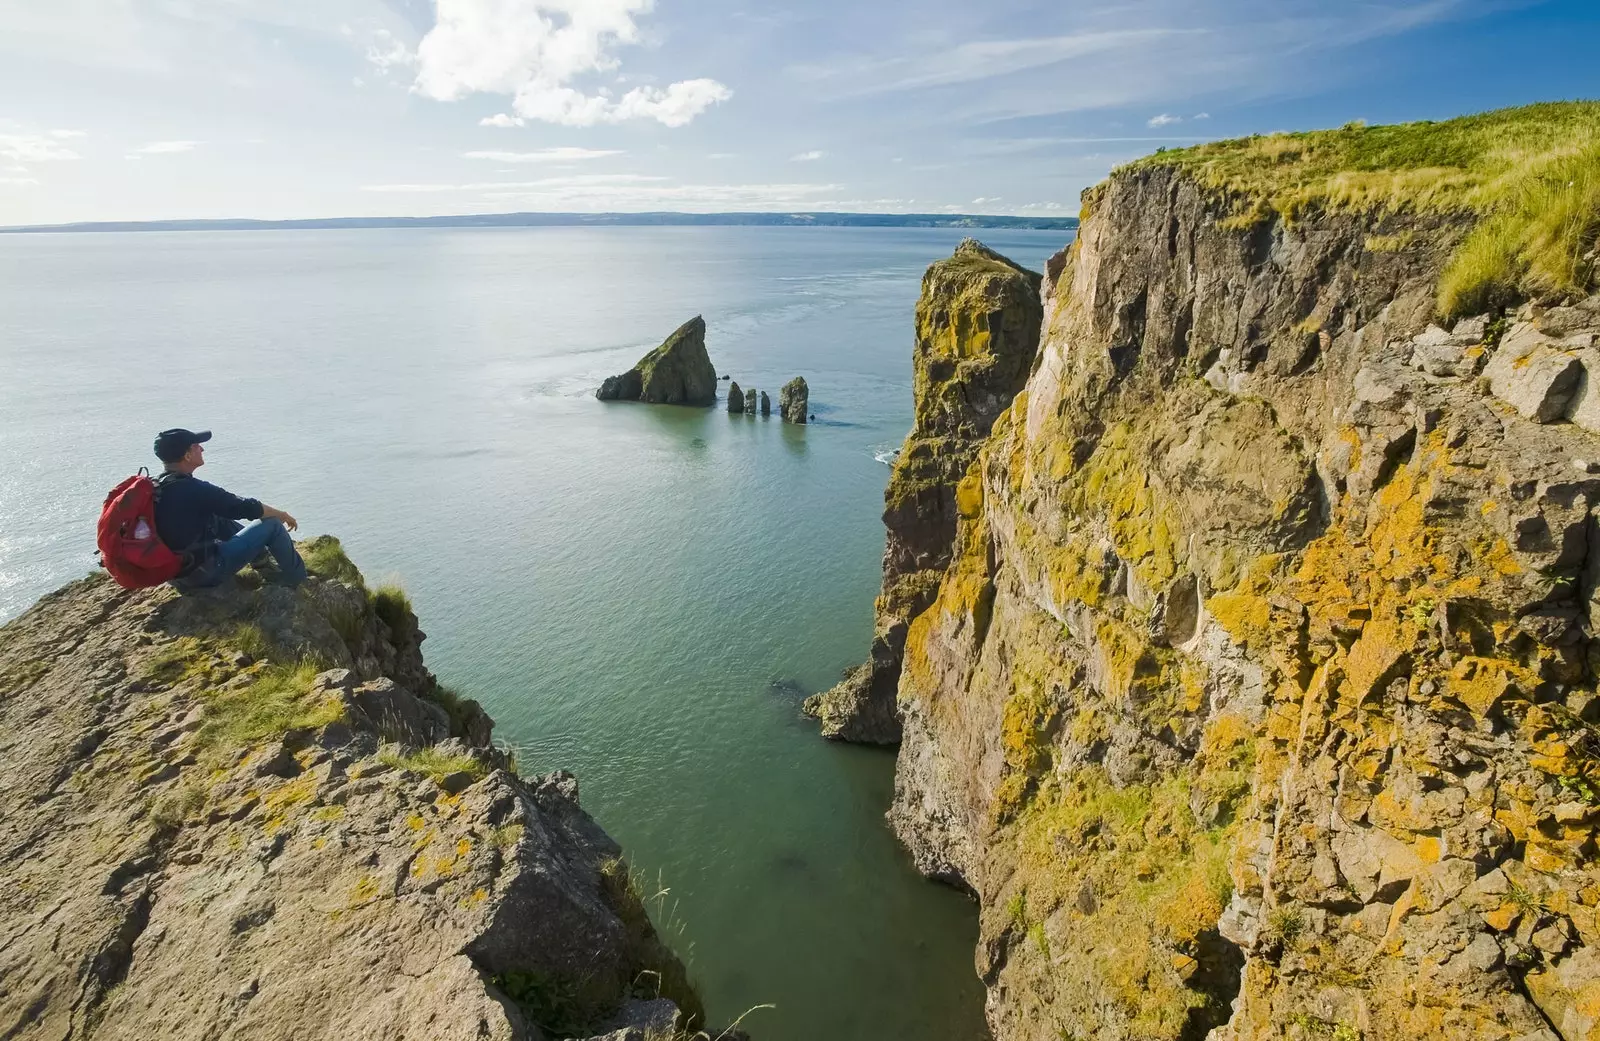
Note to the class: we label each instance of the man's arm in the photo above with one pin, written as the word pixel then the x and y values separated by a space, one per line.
pixel 288 521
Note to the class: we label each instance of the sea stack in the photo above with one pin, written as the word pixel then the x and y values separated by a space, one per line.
pixel 735 398
pixel 792 400
pixel 766 404
pixel 750 401
pixel 679 372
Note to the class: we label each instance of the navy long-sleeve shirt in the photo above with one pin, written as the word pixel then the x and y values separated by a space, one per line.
pixel 189 510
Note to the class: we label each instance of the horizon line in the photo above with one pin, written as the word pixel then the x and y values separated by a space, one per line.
pixel 568 218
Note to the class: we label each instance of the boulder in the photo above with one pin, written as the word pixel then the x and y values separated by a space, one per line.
pixel 792 400
pixel 678 372
pixel 1534 374
pixel 750 402
pixel 735 398
pixel 766 404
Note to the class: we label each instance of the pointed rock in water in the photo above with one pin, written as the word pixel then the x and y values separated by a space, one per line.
pixel 679 372
pixel 750 402
pixel 792 400
pixel 735 398
pixel 766 404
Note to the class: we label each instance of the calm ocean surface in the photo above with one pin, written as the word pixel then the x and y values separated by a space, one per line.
pixel 638 594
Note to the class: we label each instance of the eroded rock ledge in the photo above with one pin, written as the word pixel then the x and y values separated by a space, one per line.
pixel 977 334
pixel 255 814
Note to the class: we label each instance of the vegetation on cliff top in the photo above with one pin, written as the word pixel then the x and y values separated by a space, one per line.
pixel 1531 173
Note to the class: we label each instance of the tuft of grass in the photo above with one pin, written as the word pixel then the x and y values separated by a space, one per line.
pixel 1539 241
pixel 1470 164
pixel 349 623
pixel 1396 243
pixel 249 638
pixel 644 909
pixel 325 557
pixel 278 701
pixel 391 604
pixel 436 765
pixel 175 661
pixel 1286 924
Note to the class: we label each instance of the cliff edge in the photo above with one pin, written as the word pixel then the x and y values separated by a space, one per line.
pixel 1257 699
pixel 254 813
pixel 977 333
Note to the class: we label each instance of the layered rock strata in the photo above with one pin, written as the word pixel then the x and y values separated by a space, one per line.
pixel 255 814
pixel 1258 695
pixel 978 321
pixel 678 372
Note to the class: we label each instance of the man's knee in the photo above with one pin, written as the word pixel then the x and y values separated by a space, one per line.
pixel 274 527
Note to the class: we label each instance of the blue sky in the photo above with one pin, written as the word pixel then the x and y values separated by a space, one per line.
pixel 151 109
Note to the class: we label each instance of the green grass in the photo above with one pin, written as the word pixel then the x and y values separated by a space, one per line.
pixel 278 701
pixel 644 910
pixel 1469 164
pixel 249 638
pixel 436 765
pixel 325 557
pixel 392 605
pixel 1539 242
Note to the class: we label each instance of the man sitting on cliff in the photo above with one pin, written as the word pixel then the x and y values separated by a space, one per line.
pixel 200 520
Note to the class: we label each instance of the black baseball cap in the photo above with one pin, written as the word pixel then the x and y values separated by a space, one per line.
pixel 171 444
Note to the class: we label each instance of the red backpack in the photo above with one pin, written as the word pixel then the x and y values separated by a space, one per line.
pixel 129 547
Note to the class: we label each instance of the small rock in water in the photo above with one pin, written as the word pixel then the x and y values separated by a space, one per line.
pixel 766 404
pixel 750 402
pixel 786 688
pixel 735 399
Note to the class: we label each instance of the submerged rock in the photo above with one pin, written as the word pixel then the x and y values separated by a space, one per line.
pixel 792 400
pixel 679 372
pixel 205 840
pixel 766 404
pixel 735 399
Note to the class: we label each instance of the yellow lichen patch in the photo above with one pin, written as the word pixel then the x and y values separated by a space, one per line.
pixel 1115 484
pixel 1481 684
pixel 365 889
pixel 969 495
pixel 327 813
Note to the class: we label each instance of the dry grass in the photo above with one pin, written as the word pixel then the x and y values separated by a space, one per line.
pixel 1470 164
pixel 436 765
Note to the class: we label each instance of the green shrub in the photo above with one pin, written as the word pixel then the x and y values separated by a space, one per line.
pixel 391 604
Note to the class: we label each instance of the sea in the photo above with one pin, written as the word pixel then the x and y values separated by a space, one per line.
pixel 639 594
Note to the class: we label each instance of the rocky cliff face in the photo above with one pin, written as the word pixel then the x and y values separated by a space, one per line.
pixel 678 372
pixel 1257 697
pixel 977 334
pixel 255 814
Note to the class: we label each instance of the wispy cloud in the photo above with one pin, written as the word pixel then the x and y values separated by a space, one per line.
pixel 501 119
pixel 625 192
pixel 543 183
pixel 386 52
pixel 33 148
pixel 534 51
pixel 564 154
pixel 164 148
pixel 1165 119
pixel 807 157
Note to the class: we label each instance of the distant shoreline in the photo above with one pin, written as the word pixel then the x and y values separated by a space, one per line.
pixel 579 220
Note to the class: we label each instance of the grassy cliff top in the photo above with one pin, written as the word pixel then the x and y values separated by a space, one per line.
pixel 1468 164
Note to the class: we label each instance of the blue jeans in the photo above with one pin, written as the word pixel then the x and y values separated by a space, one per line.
pixel 243 547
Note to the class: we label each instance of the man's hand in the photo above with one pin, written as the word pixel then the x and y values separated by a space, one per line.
pixel 288 521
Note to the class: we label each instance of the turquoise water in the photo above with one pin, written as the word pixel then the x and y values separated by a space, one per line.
pixel 637 593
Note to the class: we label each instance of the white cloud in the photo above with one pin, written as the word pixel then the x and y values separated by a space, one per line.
pixel 543 183
pixel 807 157
pixel 980 200
pixel 500 119
pixel 1200 115
pixel 19 180
pixel 626 192
pixel 165 148
pixel 534 51
pixel 1163 120
pixel 33 148
pixel 61 135
pixel 564 154
pixel 386 52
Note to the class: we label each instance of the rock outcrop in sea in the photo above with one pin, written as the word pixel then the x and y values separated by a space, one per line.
pixel 977 334
pixel 254 813
pixel 1257 695
pixel 735 398
pixel 766 404
pixel 750 402
pixel 792 398
pixel 678 372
